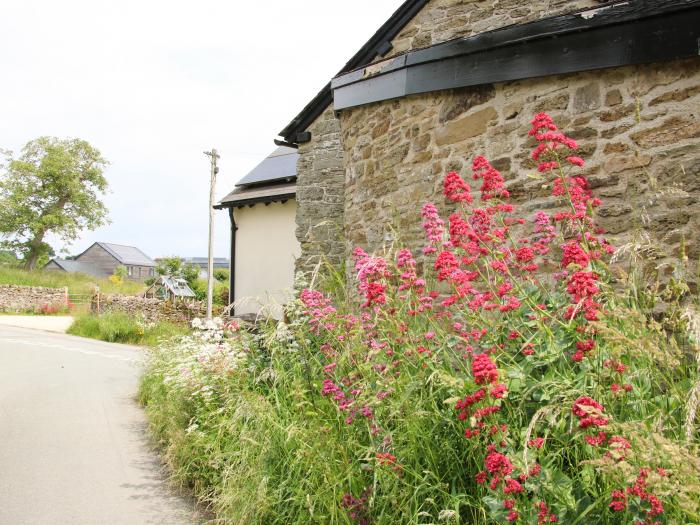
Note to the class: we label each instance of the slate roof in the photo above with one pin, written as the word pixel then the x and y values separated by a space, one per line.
pixel 274 179
pixel 78 267
pixel 129 255
pixel 280 165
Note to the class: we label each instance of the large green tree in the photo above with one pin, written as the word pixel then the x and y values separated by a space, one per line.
pixel 53 187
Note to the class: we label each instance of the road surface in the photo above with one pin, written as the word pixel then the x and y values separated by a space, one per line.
pixel 73 442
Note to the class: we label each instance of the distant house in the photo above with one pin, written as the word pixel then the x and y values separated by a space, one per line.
pixel 102 258
pixel 170 289
pixel 264 247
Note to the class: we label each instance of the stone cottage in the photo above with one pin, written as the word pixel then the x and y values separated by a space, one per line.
pixel 445 80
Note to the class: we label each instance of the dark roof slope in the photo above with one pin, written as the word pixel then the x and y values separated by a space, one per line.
pixel 377 46
pixel 78 267
pixel 127 254
pixel 280 165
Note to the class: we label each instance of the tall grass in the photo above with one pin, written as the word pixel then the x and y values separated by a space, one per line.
pixel 77 283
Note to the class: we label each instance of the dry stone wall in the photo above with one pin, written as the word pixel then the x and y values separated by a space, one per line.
pixel 149 309
pixel 638 129
pixel 320 186
pixel 19 299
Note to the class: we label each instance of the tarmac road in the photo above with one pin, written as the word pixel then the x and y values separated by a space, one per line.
pixel 73 443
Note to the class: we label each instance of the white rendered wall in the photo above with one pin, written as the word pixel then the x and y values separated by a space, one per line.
pixel 266 247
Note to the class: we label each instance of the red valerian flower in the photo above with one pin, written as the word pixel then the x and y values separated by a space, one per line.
pixel 497 463
pixel 484 369
pixel 589 411
pixel 582 285
pixel 455 189
pixel 619 501
pixel 493 183
pixel 433 225
pixel 596 440
pixel 536 442
pixel 512 515
pixel 573 253
pixel 576 161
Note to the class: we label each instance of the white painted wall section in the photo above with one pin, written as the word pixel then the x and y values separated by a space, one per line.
pixel 266 248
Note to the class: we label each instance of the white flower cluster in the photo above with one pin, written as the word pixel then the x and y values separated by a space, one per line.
pixel 197 362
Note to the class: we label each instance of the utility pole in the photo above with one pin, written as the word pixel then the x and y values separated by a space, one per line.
pixel 213 155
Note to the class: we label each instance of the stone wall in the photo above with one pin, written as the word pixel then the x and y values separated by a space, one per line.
pixel 150 309
pixel 442 20
pixel 31 298
pixel 638 128
pixel 320 185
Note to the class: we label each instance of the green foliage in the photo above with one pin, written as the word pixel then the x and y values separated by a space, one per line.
pixel 220 295
pixel 221 275
pixel 8 258
pixel 124 328
pixel 174 267
pixel 77 283
pixel 53 187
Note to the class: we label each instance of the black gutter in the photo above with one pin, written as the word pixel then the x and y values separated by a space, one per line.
pixel 231 274
pixel 614 35
pixel 378 45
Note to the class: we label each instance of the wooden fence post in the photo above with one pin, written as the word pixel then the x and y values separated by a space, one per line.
pixel 66 301
pixel 97 299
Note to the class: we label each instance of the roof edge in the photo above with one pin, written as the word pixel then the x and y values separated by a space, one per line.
pixel 375 46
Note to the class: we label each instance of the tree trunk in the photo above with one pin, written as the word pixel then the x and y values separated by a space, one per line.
pixel 34 250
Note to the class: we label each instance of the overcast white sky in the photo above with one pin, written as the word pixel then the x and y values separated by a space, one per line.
pixel 154 83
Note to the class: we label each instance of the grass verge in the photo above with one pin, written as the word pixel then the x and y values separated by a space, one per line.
pixel 123 328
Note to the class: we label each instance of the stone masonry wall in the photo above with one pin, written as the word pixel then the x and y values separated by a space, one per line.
pixel 442 20
pixel 30 298
pixel 638 129
pixel 320 187
pixel 149 309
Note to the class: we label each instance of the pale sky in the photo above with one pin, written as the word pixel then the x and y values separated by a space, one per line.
pixel 154 83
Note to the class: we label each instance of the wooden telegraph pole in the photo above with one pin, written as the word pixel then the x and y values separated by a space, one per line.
pixel 214 156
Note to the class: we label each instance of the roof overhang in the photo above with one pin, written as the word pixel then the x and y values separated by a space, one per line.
pixel 249 196
pixel 378 45
pixel 618 34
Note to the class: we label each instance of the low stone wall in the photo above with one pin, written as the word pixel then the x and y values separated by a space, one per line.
pixel 15 298
pixel 150 309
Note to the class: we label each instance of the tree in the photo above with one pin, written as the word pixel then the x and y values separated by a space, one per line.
pixel 53 187
pixel 173 267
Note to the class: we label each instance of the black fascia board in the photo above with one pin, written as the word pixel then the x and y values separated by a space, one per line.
pixel 255 200
pixel 610 36
pixel 379 44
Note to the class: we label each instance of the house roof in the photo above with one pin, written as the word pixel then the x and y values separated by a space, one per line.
pixel 249 195
pixel 78 267
pixel 377 46
pixel 126 254
pixel 222 261
pixel 280 165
